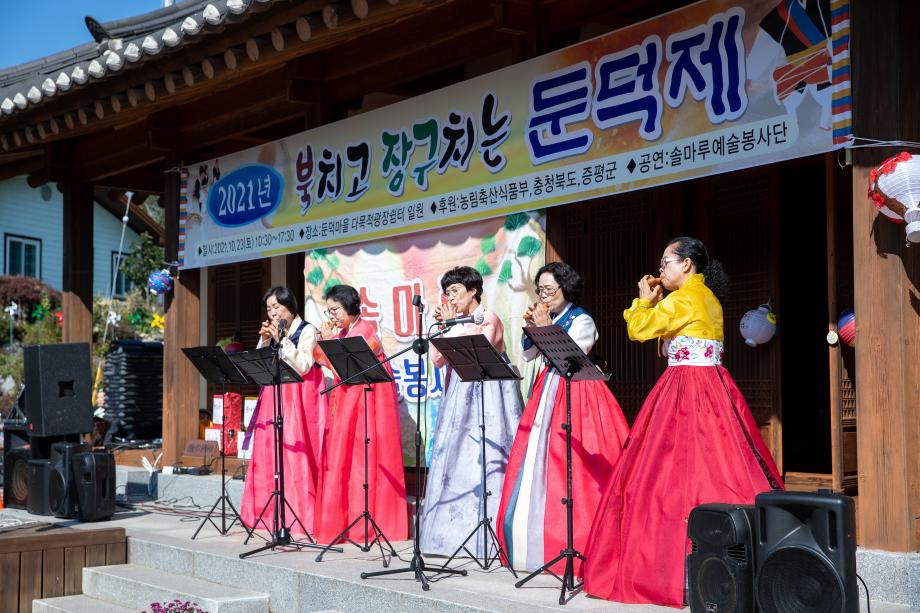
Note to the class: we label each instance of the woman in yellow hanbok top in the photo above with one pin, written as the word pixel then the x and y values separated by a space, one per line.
pixel 693 442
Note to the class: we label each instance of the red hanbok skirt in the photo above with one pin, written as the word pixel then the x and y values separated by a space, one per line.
pixel 302 411
pixel 341 497
pixel 691 444
pixel 531 523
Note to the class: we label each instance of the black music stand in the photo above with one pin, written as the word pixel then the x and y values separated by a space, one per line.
pixel 217 369
pixel 265 367
pixel 474 358
pixel 355 364
pixel 572 364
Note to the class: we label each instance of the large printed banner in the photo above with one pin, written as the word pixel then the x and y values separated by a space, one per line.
pixel 507 251
pixel 709 88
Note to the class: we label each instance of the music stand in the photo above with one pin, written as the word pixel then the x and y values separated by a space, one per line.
pixel 355 364
pixel 572 364
pixel 265 367
pixel 474 358
pixel 217 369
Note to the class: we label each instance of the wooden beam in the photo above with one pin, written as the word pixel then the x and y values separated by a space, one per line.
pixel 886 278
pixel 78 263
pixel 144 179
pixel 269 114
pixel 516 16
pixel 422 59
pixel 126 159
pixel 180 380
pixel 835 363
pixel 113 200
pixel 21 162
pixel 410 37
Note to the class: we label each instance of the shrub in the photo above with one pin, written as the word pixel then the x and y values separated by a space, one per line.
pixel 28 293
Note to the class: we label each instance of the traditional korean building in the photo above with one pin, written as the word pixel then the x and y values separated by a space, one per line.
pixel 161 100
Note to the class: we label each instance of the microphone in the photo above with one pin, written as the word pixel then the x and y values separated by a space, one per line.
pixel 476 318
pixel 282 324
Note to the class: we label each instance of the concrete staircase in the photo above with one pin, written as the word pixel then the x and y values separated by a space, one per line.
pixel 131 588
pixel 165 564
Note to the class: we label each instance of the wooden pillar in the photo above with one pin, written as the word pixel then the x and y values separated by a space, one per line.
pixel 296 281
pixel 180 379
pixel 886 59
pixel 78 263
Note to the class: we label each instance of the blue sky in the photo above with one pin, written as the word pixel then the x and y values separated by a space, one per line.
pixel 31 29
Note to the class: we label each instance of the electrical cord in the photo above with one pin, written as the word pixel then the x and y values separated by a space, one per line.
pixel 868 605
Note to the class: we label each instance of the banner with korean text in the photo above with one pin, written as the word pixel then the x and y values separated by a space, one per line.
pixel 709 88
pixel 507 252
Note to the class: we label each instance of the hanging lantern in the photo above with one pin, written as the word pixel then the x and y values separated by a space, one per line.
pixel 894 188
pixel 846 328
pixel 758 325
pixel 159 282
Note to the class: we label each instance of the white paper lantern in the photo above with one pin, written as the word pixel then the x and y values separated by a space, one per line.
pixel 758 325
pixel 894 188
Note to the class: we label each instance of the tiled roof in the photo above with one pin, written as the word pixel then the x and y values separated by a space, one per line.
pixel 132 41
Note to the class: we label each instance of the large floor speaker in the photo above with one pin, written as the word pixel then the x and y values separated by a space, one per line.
pixel 94 475
pixel 806 553
pixel 39 482
pixel 58 386
pixel 16 478
pixel 721 562
pixel 63 496
pixel 14 437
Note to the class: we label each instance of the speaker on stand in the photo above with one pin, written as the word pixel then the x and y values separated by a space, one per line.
pixel 58 386
pixel 806 552
pixel 721 562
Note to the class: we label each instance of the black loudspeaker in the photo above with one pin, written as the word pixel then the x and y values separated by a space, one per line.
pixel 58 389
pixel 721 562
pixel 14 437
pixel 806 552
pixel 94 477
pixel 39 481
pixel 62 491
pixel 16 478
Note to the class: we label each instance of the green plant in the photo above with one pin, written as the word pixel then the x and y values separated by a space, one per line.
pixel 44 331
pixel 144 257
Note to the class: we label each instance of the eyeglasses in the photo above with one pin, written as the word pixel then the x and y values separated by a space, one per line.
pixel 664 262
pixel 545 290
pixel 453 292
pixel 332 311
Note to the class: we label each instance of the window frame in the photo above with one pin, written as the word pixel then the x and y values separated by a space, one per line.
pixel 8 238
pixel 112 273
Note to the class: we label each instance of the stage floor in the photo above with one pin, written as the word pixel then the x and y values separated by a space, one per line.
pixel 296 582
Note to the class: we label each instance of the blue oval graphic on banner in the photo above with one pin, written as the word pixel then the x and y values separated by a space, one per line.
pixel 245 194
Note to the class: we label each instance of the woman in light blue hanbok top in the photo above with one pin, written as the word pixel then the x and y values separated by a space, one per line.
pixel 453 505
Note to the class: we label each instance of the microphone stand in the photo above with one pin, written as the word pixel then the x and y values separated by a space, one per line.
pixel 417 565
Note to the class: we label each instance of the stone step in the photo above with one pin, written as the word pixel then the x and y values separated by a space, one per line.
pixel 139 586
pixel 78 604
